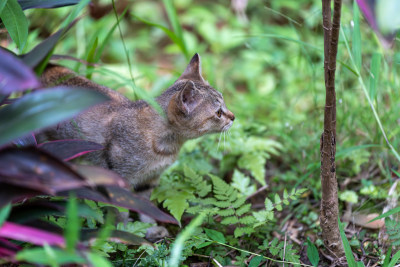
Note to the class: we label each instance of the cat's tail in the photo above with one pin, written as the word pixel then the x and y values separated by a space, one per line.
pixel 55 75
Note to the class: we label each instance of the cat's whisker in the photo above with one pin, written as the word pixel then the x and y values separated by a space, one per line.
pixel 224 140
pixel 219 140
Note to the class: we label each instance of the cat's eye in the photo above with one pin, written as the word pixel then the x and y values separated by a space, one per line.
pixel 219 113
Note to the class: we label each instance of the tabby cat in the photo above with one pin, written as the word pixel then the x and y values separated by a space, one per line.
pixel 138 142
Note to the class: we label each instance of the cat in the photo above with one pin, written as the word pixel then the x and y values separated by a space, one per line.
pixel 139 143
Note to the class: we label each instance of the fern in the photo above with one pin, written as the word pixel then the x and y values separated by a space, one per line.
pixel 284 251
pixel 393 230
pixel 266 215
pixel 194 194
pixel 177 200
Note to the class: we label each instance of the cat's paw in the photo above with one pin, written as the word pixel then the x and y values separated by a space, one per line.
pixel 156 233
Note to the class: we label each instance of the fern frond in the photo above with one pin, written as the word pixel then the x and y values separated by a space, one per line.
pixel 243 209
pixel 230 220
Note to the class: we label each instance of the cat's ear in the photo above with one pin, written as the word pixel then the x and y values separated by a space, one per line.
pixel 193 70
pixel 188 98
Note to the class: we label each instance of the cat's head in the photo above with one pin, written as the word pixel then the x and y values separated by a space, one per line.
pixel 196 108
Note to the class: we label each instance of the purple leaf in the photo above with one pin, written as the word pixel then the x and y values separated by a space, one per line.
pixel 10 245
pixel 28 140
pixel 5 253
pixel 27 4
pixel 11 193
pixel 30 234
pixel 124 198
pixel 39 53
pixel 69 149
pixel 37 170
pixel 100 176
pixel 368 9
pixel 15 75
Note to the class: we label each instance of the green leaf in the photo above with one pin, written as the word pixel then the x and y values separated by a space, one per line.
pixel 243 209
pixel 178 245
pixel 285 194
pixel 255 163
pixel 239 231
pixel 40 256
pixel 356 46
pixel 312 253
pixel 15 22
pixel 90 57
pixel 242 183
pixel 230 220
pixel 167 31
pixel 215 235
pixel 205 244
pixel 386 214
pixel 347 249
pixel 375 70
pixel 4 213
pixel 104 42
pixel 261 215
pixel 173 18
pixel 137 227
pixel 177 204
pixel 248 220
pixel 42 109
pixel 97 260
pixel 75 12
pixel 2 5
pixel 226 212
pixel 269 206
pixel 255 261
pixel 387 257
pixel 72 227
pixel 277 199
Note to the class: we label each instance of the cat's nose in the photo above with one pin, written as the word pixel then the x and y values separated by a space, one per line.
pixel 231 116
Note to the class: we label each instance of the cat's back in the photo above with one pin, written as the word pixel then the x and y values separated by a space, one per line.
pixel 55 75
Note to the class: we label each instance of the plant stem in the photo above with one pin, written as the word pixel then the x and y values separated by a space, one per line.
pixel 329 201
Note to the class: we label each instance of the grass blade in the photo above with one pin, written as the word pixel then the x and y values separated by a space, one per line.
pixel 356 46
pixel 4 212
pixel 347 249
pixel 364 88
pixel 182 237
pixel 386 214
pixel 107 38
pixel 375 70
pixel 77 9
pixel 387 257
pixel 395 258
pixel 176 26
pixel 90 57
pixel 72 228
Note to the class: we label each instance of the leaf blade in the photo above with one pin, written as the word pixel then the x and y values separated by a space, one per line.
pixel 15 22
pixel 31 112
